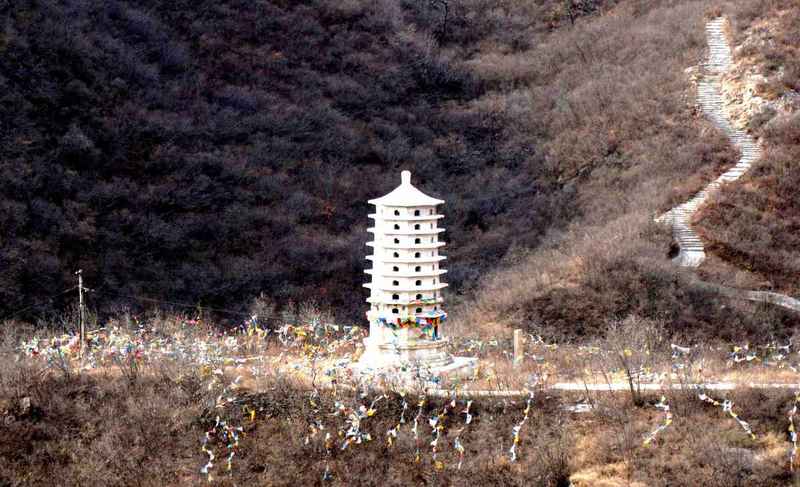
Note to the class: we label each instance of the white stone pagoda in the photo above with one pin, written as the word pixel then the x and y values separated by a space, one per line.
pixel 406 318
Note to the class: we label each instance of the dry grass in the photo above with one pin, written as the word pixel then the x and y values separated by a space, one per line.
pixel 110 428
pixel 612 262
pixel 753 224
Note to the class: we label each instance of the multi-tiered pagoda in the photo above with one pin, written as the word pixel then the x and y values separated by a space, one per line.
pixel 406 315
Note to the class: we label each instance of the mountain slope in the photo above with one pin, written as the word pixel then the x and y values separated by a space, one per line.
pixel 753 226
pixel 609 271
pixel 211 151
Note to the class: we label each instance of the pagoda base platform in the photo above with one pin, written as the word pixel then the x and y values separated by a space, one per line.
pixel 423 363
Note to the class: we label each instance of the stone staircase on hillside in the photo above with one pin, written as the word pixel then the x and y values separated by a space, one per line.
pixel 719 52
pixel 709 96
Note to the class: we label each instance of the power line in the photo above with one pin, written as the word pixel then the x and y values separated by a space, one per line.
pixel 39 303
pixel 147 299
pixel 192 306
pixel 173 303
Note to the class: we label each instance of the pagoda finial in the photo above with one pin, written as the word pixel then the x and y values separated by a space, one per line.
pixel 405 177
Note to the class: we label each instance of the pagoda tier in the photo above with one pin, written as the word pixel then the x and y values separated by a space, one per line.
pixel 422 231
pixel 408 301
pixel 409 259
pixel 407 289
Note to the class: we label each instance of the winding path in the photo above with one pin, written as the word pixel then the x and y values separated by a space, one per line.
pixel 692 253
pixel 709 96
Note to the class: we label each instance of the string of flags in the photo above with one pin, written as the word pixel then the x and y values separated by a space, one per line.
pixel 457 445
pixel 663 406
pixel 793 432
pixel 516 431
pixel 415 431
pixel 430 319
pixel 437 427
pixel 391 435
pixel 727 406
pixel 222 431
pixel 143 342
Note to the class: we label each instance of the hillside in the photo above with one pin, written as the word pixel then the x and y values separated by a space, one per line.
pixel 621 185
pixel 618 267
pixel 208 152
pixel 753 226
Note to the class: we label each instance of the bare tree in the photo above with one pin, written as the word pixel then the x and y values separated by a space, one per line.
pixel 638 347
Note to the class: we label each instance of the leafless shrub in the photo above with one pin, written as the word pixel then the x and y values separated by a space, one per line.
pixel 637 347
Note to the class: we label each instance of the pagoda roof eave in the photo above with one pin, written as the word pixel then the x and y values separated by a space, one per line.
pixel 413 302
pixel 421 246
pixel 410 260
pixel 407 218
pixel 432 287
pixel 435 273
pixel 402 202
pixel 430 231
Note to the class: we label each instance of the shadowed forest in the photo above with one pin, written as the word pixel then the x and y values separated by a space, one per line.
pixel 211 152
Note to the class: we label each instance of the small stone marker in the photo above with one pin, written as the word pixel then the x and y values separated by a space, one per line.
pixel 519 353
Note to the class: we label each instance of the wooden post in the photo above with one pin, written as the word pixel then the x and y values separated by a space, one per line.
pixel 519 351
pixel 81 313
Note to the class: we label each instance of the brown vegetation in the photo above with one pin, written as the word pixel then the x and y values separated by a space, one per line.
pixel 613 261
pixel 206 152
pixel 754 223
pixel 210 152
pixel 148 429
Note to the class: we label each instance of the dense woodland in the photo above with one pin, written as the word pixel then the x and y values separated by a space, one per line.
pixel 208 152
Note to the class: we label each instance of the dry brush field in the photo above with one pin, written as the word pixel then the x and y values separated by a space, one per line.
pixel 172 400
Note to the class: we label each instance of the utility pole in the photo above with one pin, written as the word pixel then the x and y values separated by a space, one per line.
pixel 80 310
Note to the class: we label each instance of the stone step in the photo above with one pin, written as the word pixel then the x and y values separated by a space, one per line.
pixel 710 100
